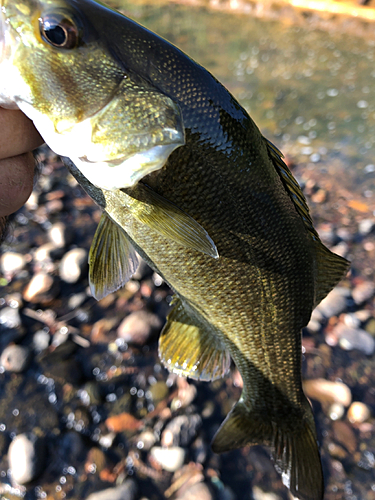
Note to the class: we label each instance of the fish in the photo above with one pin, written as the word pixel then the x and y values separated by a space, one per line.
pixel 186 180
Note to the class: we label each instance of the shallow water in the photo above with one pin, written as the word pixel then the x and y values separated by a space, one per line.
pixel 310 91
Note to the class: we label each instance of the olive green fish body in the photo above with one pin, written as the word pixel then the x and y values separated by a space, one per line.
pixel 216 213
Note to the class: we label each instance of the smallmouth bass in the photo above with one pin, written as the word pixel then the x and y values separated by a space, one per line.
pixel 186 179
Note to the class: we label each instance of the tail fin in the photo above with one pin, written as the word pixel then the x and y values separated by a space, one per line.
pixel 294 451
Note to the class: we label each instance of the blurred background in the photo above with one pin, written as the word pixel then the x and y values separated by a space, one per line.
pixel 81 386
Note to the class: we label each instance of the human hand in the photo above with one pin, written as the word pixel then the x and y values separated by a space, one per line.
pixel 18 137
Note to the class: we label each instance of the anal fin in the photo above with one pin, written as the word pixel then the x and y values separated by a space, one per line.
pixel 188 348
pixel 112 259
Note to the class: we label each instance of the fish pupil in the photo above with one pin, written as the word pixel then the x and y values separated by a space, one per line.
pixel 56 35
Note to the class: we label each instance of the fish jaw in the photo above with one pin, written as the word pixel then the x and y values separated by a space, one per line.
pixel 127 173
pixel 8 43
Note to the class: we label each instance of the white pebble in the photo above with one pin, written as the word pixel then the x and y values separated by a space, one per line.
pixel 170 459
pixel 26 457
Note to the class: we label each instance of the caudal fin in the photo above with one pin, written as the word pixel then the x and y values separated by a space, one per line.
pixel 294 451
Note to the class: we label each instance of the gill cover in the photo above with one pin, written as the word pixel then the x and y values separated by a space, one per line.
pixel 113 123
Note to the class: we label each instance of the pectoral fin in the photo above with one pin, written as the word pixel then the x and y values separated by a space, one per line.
pixel 166 218
pixel 186 347
pixel 112 259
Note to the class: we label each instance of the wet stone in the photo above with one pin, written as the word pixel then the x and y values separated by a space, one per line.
pixel 139 326
pixel 196 491
pixel 41 289
pixel 159 391
pixel 42 255
pixel 10 317
pixel 326 391
pixel 170 459
pixel 15 358
pixel 126 491
pixel 71 446
pixel 11 263
pixel 26 457
pixel 344 435
pixel 146 440
pixel 336 411
pixel 363 292
pixel 354 338
pixel 41 340
pixel 259 494
pixel 182 430
pixel 73 265
pixel 59 235
pixel 366 226
pixel 358 412
pixel 335 303
pixel 370 327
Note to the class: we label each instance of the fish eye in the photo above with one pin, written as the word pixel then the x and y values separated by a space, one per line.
pixel 60 31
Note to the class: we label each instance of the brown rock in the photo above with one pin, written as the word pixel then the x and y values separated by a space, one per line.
pixel 41 289
pixel 358 412
pixel 326 391
pixel 123 422
pixel 138 327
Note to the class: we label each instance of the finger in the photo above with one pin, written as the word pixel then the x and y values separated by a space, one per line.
pixel 16 182
pixel 18 134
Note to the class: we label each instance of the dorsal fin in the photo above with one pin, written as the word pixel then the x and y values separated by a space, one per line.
pixel 292 187
pixel 331 268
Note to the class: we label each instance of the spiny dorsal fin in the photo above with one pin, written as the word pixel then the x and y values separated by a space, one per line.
pixel 112 259
pixel 166 218
pixel 331 268
pixel 186 347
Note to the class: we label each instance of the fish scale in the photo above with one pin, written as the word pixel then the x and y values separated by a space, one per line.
pixel 186 179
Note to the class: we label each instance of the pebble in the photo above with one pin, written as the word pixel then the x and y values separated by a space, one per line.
pixel 326 391
pixel 41 340
pixel 126 491
pixel 15 358
pixel 41 289
pixel 335 303
pixel 370 327
pixel 336 411
pixel 42 254
pixel 10 317
pixel 143 271
pixel 59 235
pixel 186 394
pixel 344 435
pixel 73 265
pixel 363 292
pixel 366 226
pixel 138 327
pixel 146 440
pixel 26 457
pixel 170 459
pixel 11 263
pixel 181 430
pixel 159 391
pixel 354 338
pixel 196 491
pixel 358 412
pixel 259 494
